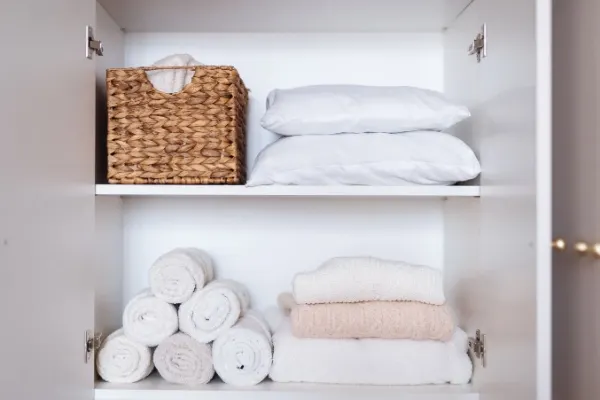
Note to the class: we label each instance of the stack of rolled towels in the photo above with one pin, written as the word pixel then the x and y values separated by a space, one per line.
pixel 406 333
pixel 188 325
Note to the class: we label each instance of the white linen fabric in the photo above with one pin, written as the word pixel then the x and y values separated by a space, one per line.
pixel 243 354
pixel 370 361
pixel 172 80
pixel 333 109
pixel 213 310
pixel 149 320
pixel 354 279
pixel 121 360
pixel 175 275
pixel 376 159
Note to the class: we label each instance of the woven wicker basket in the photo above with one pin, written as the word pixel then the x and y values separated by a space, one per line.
pixel 196 136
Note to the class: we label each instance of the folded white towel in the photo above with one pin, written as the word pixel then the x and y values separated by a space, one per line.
pixel 213 310
pixel 353 279
pixel 177 274
pixel 370 361
pixel 121 360
pixel 149 320
pixel 181 359
pixel 172 80
pixel 244 353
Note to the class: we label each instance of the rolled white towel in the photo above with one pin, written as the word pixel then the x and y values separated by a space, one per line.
pixel 213 310
pixel 243 354
pixel 177 274
pixel 121 360
pixel 354 279
pixel 181 359
pixel 370 361
pixel 149 320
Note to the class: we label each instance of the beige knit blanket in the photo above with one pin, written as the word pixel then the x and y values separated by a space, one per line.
pixel 386 320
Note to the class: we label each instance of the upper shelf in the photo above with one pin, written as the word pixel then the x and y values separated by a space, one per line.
pixel 286 191
pixel 154 388
pixel 283 15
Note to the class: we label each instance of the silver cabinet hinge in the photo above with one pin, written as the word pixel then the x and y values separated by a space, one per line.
pixel 91 344
pixel 92 46
pixel 477 347
pixel 479 46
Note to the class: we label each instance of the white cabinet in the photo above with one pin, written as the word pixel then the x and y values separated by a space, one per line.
pixel 491 238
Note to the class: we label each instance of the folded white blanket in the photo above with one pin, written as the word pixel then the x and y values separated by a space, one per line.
pixel 354 279
pixel 370 361
pixel 149 320
pixel 213 310
pixel 181 359
pixel 172 80
pixel 243 354
pixel 177 274
pixel 121 360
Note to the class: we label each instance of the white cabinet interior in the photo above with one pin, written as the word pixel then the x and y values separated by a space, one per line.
pixel 488 237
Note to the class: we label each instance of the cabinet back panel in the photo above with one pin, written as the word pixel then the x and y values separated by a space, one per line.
pixel 264 242
pixel 279 60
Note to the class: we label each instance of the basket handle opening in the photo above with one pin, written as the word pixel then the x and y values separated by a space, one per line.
pixel 185 88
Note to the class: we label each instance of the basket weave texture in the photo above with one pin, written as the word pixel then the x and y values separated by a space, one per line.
pixel 196 136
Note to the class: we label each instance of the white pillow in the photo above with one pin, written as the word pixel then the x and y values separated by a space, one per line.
pixel 331 109
pixel 376 159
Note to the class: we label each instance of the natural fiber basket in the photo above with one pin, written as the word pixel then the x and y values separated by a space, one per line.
pixel 196 136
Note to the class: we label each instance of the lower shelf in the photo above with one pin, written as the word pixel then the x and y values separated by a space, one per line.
pixel 154 388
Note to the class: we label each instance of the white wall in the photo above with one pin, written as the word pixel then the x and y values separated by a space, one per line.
pixel 268 61
pixel 264 242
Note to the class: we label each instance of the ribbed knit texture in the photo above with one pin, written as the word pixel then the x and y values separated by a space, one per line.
pixel 386 320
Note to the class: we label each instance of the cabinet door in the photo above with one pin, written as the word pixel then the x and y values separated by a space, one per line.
pixel 46 199
pixel 509 291
pixel 576 206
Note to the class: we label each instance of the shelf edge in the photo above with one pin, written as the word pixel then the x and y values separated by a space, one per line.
pixel 285 191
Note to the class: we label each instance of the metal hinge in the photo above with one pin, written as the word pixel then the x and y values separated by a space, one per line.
pixel 478 348
pixel 479 46
pixel 92 46
pixel 92 343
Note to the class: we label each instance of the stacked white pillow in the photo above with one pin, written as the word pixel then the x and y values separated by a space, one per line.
pixel 363 135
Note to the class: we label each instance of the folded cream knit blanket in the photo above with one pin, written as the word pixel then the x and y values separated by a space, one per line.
pixel 354 279
pixel 378 319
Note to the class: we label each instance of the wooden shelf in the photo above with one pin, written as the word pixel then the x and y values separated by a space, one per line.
pixel 286 191
pixel 283 15
pixel 155 388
